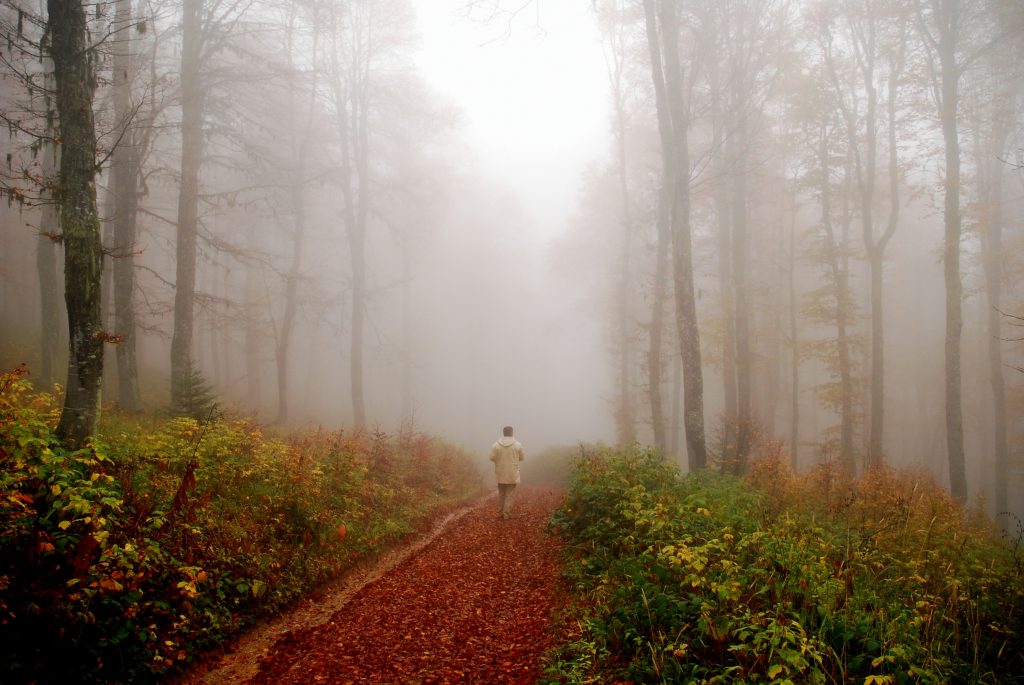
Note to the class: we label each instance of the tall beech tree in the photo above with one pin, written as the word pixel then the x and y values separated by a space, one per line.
pixel 188 199
pixel 663 27
pixel 868 56
pixel 125 167
pixel 615 30
pixel 940 24
pixel 75 79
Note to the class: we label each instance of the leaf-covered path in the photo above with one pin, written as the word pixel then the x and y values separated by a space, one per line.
pixel 471 607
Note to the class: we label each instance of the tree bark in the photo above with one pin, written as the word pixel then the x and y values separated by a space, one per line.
pixel 993 241
pixel 351 105
pixel 625 419
pixel 682 243
pixel 124 178
pixel 188 199
pixel 949 25
pixel 794 341
pixel 83 252
pixel 663 227
pixel 838 281
pixel 49 283
pixel 741 298
pixel 991 192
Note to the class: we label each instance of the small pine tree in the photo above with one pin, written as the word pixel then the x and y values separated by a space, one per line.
pixel 197 398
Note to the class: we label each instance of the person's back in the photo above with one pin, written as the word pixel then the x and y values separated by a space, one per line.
pixel 506 453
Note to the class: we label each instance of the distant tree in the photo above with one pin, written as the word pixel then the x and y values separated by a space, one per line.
pixel 125 170
pixel 663 30
pixel 947 29
pixel 744 42
pixel 75 81
pixel 192 97
pixel 864 52
pixel 615 27
pixel 299 135
pixel 364 42
pixel 994 106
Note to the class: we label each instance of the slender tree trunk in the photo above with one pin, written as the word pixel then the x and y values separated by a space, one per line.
pixel 726 283
pixel 107 287
pixel 838 280
pixel 794 341
pixel 408 341
pixel 299 208
pixel 682 243
pixel 83 252
pixel 350 99
pixel 290 302
pixel 675 443
pixel 991 180
pixel 744 419
pixel 49 283
pixel 188 199
pixel 255 337
pixel 357 244
pixel 993 285
pixel 655 349
pixel 624 415
pixel 123 173
pixel 663 226
pixel 950 76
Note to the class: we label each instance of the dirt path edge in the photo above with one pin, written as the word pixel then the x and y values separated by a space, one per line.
pixel 240 660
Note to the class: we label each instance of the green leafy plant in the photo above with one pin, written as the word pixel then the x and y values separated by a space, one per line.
pixel 165 537
pixel 776 578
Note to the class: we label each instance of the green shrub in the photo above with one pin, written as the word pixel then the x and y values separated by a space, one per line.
pixel 122 561
pixel 709 578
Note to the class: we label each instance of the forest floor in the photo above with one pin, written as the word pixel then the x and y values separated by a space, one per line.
pixel 469 601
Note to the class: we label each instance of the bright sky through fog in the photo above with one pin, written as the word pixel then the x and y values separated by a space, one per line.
pixel 533 96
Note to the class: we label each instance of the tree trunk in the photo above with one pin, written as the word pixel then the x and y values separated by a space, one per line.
pixel 350 101
pixel 188 199
pixel 625 419
pixel 49 284
pixel 725 279
pixel 993 288
pixel 794 341
pixel 838 280
pixel 950 76
pixel 682 243
pixel 83 251
pixel 655 348
pixel 663 226
pixel 408 341
pixel 738 208
pixel 124 177
pixel 990 181
pixel 299 207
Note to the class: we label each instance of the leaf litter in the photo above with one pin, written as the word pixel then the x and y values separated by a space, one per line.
pixel 472 602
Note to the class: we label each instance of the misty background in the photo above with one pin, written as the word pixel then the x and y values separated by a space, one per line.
pixel 508 187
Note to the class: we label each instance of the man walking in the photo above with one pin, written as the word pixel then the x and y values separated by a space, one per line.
pixel 506 454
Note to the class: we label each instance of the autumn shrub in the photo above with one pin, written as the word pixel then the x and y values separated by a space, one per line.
pixel 121 562
pixel 778 578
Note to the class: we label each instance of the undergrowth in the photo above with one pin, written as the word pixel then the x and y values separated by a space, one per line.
pixel 123 561
pixel 779 578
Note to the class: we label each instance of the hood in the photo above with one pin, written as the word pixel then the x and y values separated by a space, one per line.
pixel 507 441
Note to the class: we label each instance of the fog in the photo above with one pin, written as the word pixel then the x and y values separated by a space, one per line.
pixel 445 216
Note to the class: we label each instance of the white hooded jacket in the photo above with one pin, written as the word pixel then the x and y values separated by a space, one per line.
pixel 506 454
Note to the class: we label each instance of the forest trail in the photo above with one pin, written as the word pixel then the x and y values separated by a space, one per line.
pixel 469 602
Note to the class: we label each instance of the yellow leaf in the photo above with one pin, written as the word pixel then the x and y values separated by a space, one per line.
pixel 64 525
